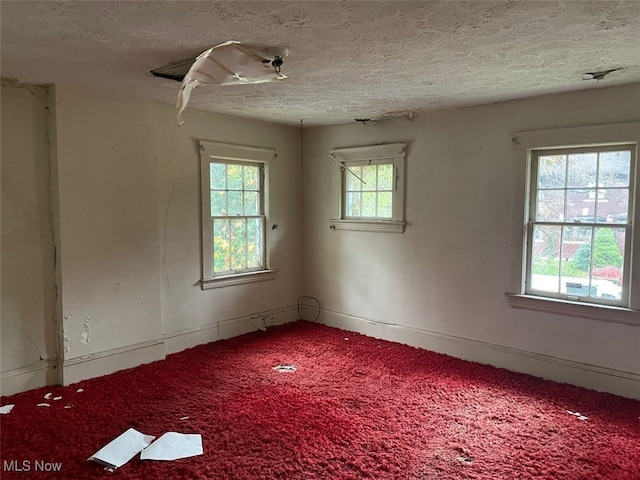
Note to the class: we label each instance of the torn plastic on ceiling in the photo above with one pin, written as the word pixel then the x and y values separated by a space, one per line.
pixel 230 63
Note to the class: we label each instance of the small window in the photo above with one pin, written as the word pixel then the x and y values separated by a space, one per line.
pixel 370 188
pixel 234 213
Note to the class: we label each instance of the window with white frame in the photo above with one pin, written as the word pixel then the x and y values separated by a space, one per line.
pixel 234 213
pixel 580 217
pixel 369 184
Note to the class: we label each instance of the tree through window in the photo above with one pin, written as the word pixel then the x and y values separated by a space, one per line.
pixel 234 214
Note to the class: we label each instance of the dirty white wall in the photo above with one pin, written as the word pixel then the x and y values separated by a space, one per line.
pixel 187 312
pixel 109 251
pixel 130 231
pixel 28 331
pixel 128 234
pixel 127 223
pixel 441 284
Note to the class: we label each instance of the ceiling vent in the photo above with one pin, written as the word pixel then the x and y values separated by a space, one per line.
pixel 229 63
pixel 174 70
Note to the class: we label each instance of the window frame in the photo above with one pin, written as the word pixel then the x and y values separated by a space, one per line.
pixel 599 136
pixel 384 154
pixel 226 153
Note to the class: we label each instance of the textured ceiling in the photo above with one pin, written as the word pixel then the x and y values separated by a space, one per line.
pixel 347 60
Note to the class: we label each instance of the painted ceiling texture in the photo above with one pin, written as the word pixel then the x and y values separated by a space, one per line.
pixel 346 60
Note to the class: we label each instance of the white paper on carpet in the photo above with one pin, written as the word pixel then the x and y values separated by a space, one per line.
pixel 173 446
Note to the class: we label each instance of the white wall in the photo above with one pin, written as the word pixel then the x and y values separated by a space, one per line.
pixel 116 183
pixel 186 309
pixel 28 338
pixel 444 279
pixel 108 199
pixel 125 181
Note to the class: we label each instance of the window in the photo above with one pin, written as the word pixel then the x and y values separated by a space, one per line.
pixel 578 237
pixel 369 188
pixel 578 243
pixel 234 214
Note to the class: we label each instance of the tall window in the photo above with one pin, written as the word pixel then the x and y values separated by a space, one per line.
pixel 580 223
pixel 237 213
pixel 369 188
pixel 234 212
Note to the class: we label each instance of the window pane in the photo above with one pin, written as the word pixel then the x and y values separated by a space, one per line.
pixel 218 203
pixel 608 261
pixel 550 206
pixel 235 203
pixel 220 245
pixel 354 183
pixel 576 251
pixel 251 178
pixel 607 248
pixel 613 205
pixel 217 176
pixel 369 204
pixel 581 205
pixel 545 258
pixel 369 175
pixel 234 177
pixel 354 204
pixel 582 170
pixel 251 203
pixel 595 269
pixel 385 201
pixel 574 235
pixel 551 171
pixel 614 169
pixel 238 244
pixel 254 242
pixel 385 177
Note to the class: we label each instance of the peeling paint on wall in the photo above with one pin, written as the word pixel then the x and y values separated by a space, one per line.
pixel 67 341
pixel 87 331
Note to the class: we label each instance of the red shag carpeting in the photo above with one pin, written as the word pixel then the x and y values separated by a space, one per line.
pixel 355 408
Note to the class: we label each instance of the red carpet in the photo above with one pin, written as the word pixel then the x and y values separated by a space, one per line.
pixel 355 408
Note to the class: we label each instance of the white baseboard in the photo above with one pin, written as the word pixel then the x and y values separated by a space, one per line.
pixel 110 361
pixel 594 377
pixel 45 372
pixel 228 328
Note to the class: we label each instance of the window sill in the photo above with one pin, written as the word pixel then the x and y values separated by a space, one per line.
pixel 368 226
pixel 238 279
pixel 603 313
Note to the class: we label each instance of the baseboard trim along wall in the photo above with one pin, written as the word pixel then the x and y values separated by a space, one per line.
pixel 48 372
pixel 36 375
pixel 110 361
pixel 228 328
pixel 594 377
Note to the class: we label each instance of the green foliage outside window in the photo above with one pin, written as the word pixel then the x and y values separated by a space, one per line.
pixel 606 252
pixel 369 192
pixel 238 224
